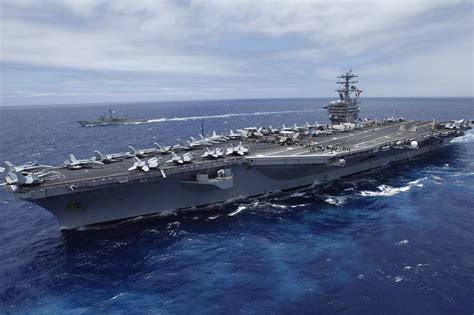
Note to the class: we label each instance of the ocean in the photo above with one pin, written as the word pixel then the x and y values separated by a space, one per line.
pixel 395 240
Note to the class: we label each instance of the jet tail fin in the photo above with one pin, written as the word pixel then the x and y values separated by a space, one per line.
pixel 132 150
pixel 10 166
pixel 99 156
pixel 15 178
pixel 72 158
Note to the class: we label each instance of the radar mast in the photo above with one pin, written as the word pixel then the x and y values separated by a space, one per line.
pixel 346 108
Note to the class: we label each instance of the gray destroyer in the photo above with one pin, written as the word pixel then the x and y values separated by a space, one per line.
pixel 215 168
pixel 109 119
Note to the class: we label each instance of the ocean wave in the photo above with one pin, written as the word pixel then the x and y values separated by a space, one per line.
pixel 398 278
pixel 402 242
pixel 2 169
pixel 278 206
pixel 298 194
pixel 239 209
pixel 161 120
pixel 387 190
pixel 213 217
pixel 299 205
pixel 336 201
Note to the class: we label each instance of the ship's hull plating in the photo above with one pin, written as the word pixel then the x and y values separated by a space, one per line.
pixel 172 193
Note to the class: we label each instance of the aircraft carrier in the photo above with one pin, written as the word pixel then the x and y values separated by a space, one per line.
pixel 217 168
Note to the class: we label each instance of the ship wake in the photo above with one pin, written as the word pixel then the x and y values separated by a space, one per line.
pixel 175 119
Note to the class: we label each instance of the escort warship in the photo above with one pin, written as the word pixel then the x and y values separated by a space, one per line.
pixel 216 168
pixel 109 119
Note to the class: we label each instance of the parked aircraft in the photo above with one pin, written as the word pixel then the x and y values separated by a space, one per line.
pixel 162 148
pixel 74 163
pixel 235 136
pixel 252 132
pixel 181 159
pixel 142 152
pixel 30 166
pixel 17 178
pixel 112 157
pixel 237 150
pixel 216 153
pixel 216 137
pixel 139 165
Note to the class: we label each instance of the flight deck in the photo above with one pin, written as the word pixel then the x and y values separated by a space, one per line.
pixel 329 145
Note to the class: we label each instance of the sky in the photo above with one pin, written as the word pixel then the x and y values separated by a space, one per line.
pixel 85 51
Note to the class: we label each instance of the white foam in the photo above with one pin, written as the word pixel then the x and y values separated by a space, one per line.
pixel 299 206
pixel 422 265
pixel 398 278
pixel 2 169
pixel 239 209
pixel 387 190
pixel 468 137
pixel 437 178
pixel 278 206
pixel 403 242
pixel 214 217
pixel 384 190
pixel 336 201
pixel 117 296
pixel 298 194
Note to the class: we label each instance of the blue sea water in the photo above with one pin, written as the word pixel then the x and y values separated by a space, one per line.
pixel 397 240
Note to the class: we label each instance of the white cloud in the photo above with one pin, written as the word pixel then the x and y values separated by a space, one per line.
pixel 215 39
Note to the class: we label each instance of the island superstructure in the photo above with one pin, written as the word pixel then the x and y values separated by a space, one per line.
pixel 215 168
pixel 345 109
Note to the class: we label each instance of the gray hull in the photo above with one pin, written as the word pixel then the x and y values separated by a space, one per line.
pixel 176 192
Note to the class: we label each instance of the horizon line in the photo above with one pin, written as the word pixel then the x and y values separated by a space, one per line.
pixel 221 99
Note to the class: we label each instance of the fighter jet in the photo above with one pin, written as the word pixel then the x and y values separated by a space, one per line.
pixel 187 145
pixel 287 137
pixel 218 138
pixel 155 162
pixel 310 126
pixel 269 130
pixel 285 128
pixel 74 163
pixel 213 154
pixel 343 127
pixel 454 124
pixel 141 153
pixel 17 178
pixel 252 132
pixel 162 148
pixel 181 145
pixel 112 157
pixel 197 143
pixel 139 165
pixel 30 166
pixel 235 136
pixel 203 141
pixel 237 150
pixel 299 128
pixel 181 159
